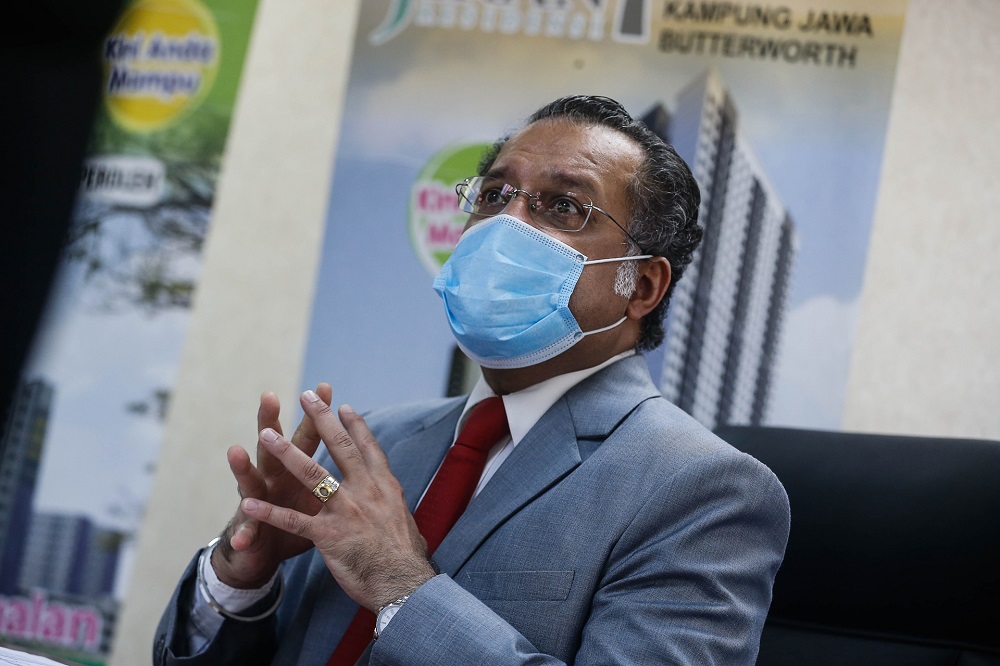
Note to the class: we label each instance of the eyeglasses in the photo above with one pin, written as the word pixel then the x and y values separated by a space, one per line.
pixel 556 211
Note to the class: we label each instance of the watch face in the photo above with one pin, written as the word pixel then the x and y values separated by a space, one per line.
pixel 385 616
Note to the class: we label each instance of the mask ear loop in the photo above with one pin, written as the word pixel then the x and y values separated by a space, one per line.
pixel 607 261
pixel 606 328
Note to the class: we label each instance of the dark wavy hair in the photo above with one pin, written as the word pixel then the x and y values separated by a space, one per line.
pixel 663 196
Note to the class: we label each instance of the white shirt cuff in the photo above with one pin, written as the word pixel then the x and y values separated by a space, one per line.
pixel 205 622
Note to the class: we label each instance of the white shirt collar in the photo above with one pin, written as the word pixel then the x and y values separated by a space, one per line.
pixel 525 407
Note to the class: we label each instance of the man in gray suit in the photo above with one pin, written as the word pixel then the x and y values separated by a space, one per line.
pixel 607 526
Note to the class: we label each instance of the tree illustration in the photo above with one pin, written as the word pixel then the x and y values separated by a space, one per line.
pixel 149 257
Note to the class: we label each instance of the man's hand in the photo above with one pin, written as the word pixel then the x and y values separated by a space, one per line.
pixel 249 552
pixel 365 532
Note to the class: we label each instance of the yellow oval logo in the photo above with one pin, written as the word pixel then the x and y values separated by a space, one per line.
pixel 160 62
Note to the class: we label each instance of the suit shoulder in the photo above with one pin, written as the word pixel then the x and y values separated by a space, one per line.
pixel 672 430
pixel 670 437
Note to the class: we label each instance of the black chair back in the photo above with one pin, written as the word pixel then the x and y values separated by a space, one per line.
pixel 894 550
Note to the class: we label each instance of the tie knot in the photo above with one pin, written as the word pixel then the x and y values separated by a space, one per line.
pixel 486 424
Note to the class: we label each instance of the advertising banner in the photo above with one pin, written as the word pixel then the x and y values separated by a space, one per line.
pixel 780 110
pixel 83 432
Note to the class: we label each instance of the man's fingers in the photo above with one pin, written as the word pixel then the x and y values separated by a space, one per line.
pixel 267 413
pixel 242 532
pixel 306 437
pixel 301 466
pixel 248 480
pixel 245 535
pixel 361 435
pixel 288 520
pixel 338 441
pixel 267 417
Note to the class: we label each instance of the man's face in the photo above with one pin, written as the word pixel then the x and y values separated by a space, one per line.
pixel 558 155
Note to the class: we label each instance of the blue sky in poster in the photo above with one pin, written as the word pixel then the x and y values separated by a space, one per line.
pixel 378 332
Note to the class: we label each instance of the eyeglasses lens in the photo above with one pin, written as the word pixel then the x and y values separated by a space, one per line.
pixel 560 211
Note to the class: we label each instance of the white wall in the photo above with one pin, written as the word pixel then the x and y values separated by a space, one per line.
pixel 248 327
pixel 927 354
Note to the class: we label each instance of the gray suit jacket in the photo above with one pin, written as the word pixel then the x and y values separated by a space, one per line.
pixel 619 531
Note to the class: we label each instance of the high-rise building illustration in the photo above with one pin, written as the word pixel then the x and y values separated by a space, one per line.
pixel 20 456
pixel 725 318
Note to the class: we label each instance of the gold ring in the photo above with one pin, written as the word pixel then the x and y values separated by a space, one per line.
pixel 325 489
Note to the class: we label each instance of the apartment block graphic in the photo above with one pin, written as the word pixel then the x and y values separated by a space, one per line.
pixel 725 318
pixel 57 572
pixel 70 555
pixel 20 458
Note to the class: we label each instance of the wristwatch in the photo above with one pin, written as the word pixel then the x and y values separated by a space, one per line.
pixel 385 614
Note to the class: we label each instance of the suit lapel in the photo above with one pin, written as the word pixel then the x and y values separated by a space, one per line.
pixel 589 412
pixel 415 459
pixel 546 454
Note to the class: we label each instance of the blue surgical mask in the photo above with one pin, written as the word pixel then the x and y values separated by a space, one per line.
pixel 506 291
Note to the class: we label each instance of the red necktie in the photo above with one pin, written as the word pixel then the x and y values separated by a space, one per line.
pixel 443 503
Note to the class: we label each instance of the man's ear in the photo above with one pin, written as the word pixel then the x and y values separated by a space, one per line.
pixel 650 288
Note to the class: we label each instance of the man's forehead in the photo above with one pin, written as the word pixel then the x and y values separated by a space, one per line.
pixel 553 174
pixel 579 135
pixel 567 153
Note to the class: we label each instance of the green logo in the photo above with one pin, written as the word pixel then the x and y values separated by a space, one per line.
pixel 435 220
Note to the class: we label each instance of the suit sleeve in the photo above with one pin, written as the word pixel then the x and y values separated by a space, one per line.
pixel 688 582
pixel 243 643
